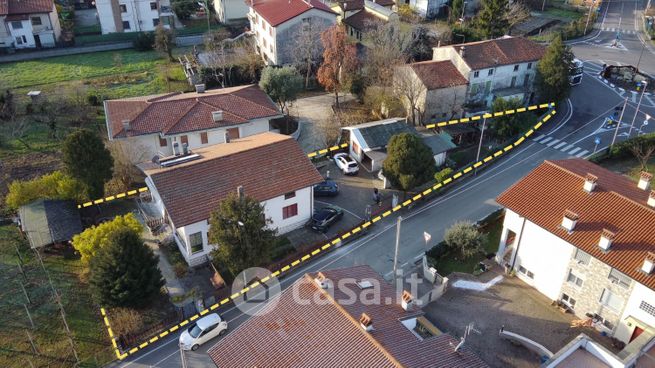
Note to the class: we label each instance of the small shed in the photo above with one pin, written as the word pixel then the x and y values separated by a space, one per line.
pixel 440 144
pixel 48 221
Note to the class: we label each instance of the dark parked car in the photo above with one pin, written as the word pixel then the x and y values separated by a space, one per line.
pixel 327 188
pixel 325 217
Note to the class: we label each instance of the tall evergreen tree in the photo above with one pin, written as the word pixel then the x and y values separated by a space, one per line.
pixel 553 71
pixel 124 272
pixel 87 159
pixel 492 20
pixel 409 162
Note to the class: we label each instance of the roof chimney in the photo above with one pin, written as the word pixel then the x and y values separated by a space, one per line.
pixel 126 125
pixel 606 238
pixel 366 322
pixel 590 183
pixel 407 300
pixel 227 137
pixel 569 220
pixel 321 281
pixel 217 116
pixel 644 180
pixel 462 51
pixel 345 5
pixel 240 192
pixel 649 263
pixel 651 198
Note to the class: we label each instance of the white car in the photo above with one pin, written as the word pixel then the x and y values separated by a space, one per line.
pixel 346 164
pixel 203 330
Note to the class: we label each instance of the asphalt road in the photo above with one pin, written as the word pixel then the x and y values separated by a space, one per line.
pixel 572 133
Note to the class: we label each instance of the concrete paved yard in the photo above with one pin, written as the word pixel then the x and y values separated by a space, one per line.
pixel 512 303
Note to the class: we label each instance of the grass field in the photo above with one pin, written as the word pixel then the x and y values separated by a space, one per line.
pixel 53 348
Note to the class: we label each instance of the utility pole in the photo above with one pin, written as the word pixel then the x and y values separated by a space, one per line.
pixel 643 47
pixel 182 357
pixel 395 257
pixel 591 8
pixel 477 157
pixel 618 125
pixel 638 106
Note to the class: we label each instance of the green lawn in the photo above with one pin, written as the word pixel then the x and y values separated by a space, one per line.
pixel 448 263
pixel 563 13
pixel 89 336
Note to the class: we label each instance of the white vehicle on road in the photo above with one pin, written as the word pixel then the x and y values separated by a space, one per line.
pixel 203 330
pixel 346 164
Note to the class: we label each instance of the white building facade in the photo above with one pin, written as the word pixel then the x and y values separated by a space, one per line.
pixel 134 15
pixel 228 11
pixel 29 24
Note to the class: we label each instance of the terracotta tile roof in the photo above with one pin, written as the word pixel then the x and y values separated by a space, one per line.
pixel 175 113
pixel 329 334
pixel 362 20
pixel 615 205
pixel 267 165
pixel 501 51
pixel 13 7
pixel 438 74
pixel 277 12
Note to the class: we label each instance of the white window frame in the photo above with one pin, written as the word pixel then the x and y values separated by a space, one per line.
pixel 574 279
pixel 568 300
pixel 582 257
pixel 619 278
pixel 606 298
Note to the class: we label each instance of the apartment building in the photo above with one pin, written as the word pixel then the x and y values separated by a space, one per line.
pixel 134 15
pixel 28 24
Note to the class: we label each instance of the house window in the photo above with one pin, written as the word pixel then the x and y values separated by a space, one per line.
pixel 36 21
pixel 195 241
pixel 184 139
pixel 574 279
pixel 516 68
pixel 611 300
pixel 123 8
pixel 619 278
pixel 491 72
pixel 476 74
pixel 16 25
pixel 19 40
pixel 582 257
pixel 162 142
pixel 203 138
pixel 155 22
pixel 290 211
pixel 527 273
pixel 290 195
pixel 513 83
pixel 526 80
pixel 568 300
pixel 529 65
pixel 153 6
pixel 648 308
pixel 126 24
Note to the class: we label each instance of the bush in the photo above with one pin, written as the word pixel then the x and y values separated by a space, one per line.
pixel 465 239
pixel 52 186
pixel 443 174
pixel 92 239
pixel 624 149
pixel 144 41
pixel 283 247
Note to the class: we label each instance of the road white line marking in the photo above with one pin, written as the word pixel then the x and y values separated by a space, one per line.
pixel 554 141
pixel 582 153
pixel 574 151
pixel 538 137
pixel 546 140
pixel 560 145
pixel 633 99
pixel 566 148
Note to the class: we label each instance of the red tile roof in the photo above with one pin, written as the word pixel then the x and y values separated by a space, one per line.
pixel 500 51
pixel 277 12
pixel 267 165
pixel 175 113
pixel 13 7
pixel 438 74
pixel 329 334
pixel 362 20
pixel 615 204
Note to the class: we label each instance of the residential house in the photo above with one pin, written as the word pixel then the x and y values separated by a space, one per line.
pixel 585 352
pixel 328 319
pixel 360 15
pixel 28 24
pixel 277 25
pixel 368 141
pixel 583 235
pixel 270 167
pixel 500 68
pixel 161 125
pixel 434 89
pixel 49 221
pixel 134 15
pixel 228 11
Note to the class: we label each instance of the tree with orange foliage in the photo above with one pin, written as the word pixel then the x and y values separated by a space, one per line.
pixel 339 59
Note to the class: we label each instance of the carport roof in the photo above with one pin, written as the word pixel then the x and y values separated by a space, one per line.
pixel 376 134
pixel 50 221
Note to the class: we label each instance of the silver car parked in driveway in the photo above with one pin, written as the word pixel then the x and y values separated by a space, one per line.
pixel 203 330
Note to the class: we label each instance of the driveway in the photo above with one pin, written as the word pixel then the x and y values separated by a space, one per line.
pixel 510 303
pixel 314 113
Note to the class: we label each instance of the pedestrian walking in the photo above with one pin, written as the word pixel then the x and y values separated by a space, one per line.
pixel 376 196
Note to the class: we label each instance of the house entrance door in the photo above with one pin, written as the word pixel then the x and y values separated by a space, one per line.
pixel 37 41
pixel 637 331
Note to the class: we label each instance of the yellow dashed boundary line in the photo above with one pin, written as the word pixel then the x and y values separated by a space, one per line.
pixel 487 115
pixel 334 242
pixel 326 150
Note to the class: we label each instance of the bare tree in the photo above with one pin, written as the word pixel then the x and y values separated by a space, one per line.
pixel 214 57
pixel 307 52
pixel 125 173
pixel 411 90
pixel 517 12
pixel 387 48
pixel 643 151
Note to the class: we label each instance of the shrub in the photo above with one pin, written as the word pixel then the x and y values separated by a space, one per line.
pixel 443 174
pixel 51 186
pixel 94 238
pixel 623 149
pixel 465 239
pixel 144 41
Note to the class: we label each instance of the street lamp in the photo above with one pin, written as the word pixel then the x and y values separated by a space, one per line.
pixel 618 124
pixel 645 84
pixel 643 47
pixel 207 10
pixel 463 10
pixel 477 157
pixel 591 7
pixel 645 123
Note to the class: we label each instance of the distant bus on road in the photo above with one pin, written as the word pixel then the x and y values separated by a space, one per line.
pixel 575 74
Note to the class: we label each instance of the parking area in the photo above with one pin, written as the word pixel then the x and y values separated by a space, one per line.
pixel 510 303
